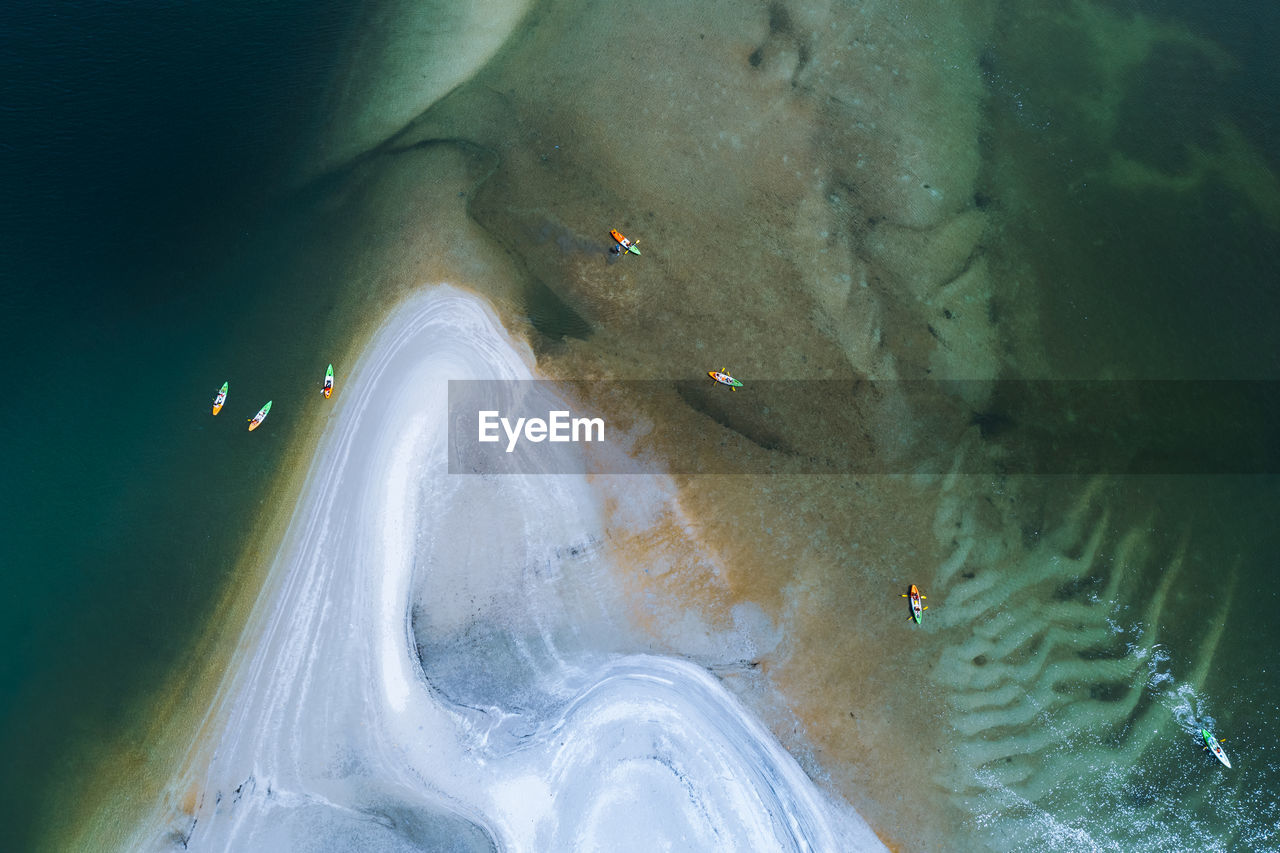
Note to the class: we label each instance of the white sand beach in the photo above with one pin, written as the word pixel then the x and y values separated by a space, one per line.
pixel 531 721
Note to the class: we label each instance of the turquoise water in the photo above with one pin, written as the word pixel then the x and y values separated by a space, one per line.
pixel 149 255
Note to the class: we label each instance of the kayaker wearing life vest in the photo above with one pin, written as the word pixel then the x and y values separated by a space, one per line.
pixel 623 244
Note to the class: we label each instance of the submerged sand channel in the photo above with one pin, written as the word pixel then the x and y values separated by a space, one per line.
pixel 529 722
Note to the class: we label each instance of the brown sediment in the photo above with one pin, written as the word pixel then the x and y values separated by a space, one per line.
pixel 826 563
pixel 758 161
pixel 804 197
pixel 190 800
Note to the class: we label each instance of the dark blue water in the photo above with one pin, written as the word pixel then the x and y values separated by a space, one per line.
pixel 140 145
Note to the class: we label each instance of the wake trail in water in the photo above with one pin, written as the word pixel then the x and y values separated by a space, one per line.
pixel 1076 727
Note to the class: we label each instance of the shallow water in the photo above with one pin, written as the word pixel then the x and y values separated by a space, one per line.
pixel 1151 263
pixel 822 191
pixel 1067 256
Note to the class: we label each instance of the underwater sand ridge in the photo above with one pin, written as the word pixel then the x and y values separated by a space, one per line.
pixel 407 54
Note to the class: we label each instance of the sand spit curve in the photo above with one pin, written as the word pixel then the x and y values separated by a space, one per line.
pixel 334 737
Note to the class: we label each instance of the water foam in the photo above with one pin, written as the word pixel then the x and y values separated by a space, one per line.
pixel 1058 679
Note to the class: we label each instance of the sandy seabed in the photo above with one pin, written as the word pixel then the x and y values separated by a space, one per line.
pixel 801 159
pixel 523 662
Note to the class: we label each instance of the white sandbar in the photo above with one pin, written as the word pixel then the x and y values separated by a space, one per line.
pixel 542 734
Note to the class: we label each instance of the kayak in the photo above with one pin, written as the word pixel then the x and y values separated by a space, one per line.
pixel 260 417
pixel 1211 745
pixel 221 398
pixel 328 383
pixel 624 242
pixel 722 376
pixel 916 609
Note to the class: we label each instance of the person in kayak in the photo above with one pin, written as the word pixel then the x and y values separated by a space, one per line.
pixel 621 243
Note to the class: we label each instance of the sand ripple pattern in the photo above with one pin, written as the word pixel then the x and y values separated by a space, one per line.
pixel 336 735
pixel 1048 683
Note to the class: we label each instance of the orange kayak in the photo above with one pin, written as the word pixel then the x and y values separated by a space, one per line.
pixel 626 244
pixel 915 597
